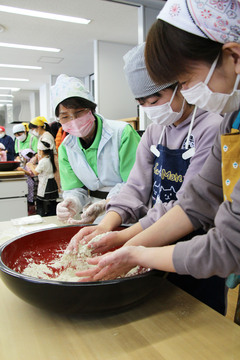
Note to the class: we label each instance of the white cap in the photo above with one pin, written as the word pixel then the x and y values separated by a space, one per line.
pixel 215 20
pixel 137 75
pixel 66 87
pixel 41 145
pixel 18 128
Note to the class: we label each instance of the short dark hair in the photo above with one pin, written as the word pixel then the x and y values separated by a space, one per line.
pixel 46 127
pixel 157 94
pixel 170 51
pixel 75 102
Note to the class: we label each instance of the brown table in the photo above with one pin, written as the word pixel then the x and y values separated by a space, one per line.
pixel 171 325
pixel 14 173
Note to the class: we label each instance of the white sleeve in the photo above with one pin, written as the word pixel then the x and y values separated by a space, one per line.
pixel 40 167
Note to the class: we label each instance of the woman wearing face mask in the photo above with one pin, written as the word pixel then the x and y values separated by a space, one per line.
pixel 172 150
pixel 23 139
pixel 96 157
pixel 40 128
pixel 8 143
pixel 164 162
pixel 211 199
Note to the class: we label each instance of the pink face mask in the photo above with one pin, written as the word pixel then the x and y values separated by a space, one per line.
pixel 81 126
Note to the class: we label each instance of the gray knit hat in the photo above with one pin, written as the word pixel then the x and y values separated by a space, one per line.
pixel 137 76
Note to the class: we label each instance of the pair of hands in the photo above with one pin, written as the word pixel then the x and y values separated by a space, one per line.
pixel 71 206
pixel 110 265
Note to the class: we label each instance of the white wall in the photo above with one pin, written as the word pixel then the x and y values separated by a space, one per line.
pixel 146 17
pixel 45 100
pixel 112 94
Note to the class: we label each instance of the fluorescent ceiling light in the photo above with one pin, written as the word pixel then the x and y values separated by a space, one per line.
pixel 13 79
pixel 21 66
pixel 9 88
pixel 43 15
pixel 6 95
pixel 6 101
pixel 29 47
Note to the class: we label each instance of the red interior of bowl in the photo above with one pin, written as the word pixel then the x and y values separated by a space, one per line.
pixel 42 246
pixel 39 246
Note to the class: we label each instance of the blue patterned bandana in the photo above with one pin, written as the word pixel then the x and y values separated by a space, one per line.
pixel 218 20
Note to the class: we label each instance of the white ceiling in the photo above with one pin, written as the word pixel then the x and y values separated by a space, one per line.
pixel 111 21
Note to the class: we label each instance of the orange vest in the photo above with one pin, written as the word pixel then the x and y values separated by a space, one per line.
pixel 61 134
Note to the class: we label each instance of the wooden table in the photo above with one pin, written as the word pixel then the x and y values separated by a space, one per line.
pixel 16 173
pixel 171 325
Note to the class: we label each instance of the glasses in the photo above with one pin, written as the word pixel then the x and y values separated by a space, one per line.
pixel 65 117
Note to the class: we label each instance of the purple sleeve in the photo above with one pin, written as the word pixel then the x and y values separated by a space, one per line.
pixel 218 251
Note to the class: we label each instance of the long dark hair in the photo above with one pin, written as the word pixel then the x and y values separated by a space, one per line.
pixel 171 52
pixel 50 153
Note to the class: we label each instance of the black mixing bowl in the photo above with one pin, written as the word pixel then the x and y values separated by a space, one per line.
pixel 9 165
pixel 67 297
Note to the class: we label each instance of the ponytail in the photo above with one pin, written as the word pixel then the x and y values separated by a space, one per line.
pixel 50 153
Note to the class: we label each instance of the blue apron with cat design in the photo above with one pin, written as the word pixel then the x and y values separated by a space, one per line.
pixel 168 173
pixel 170 166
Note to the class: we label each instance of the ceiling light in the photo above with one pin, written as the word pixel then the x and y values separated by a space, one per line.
pixel 9 88
pixel 6 101
pixel 6 95
pixel 43 15
pixel 29 47
pixel 21 66
pixel 13 79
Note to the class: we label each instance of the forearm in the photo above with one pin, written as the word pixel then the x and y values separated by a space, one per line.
pixel 169 228
pixel 111 221
pixel 32 168
pixel 160 258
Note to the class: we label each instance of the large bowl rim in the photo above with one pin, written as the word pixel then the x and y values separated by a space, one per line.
pixel 10 161
pixel 4 268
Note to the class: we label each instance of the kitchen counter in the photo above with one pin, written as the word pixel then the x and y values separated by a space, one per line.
pixel 171 325
pixel 13 194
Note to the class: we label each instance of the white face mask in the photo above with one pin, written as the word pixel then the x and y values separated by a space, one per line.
pixel 164 114
pixel 215 102
pixel 22 137
pixel 2 134
pixel 35 133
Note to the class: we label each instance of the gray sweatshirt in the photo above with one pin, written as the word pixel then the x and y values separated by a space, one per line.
pixel 134 203
pixel 217 252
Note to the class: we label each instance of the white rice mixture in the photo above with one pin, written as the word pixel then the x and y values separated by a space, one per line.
pixel 64 267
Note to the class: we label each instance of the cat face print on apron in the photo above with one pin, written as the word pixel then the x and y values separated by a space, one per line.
pixel 170 166
pixel 230 149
